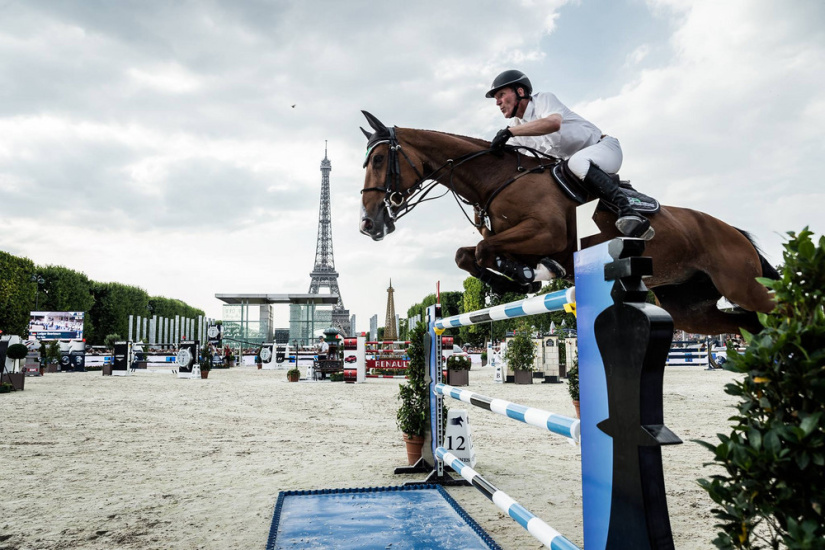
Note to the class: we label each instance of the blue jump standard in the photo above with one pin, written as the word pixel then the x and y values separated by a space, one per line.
pixel 417 517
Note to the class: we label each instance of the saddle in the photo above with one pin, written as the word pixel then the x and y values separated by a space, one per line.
pixel 572 186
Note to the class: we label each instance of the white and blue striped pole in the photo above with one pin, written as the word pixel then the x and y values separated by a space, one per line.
pixel 535 526
pixel 544 303
pixel 556 423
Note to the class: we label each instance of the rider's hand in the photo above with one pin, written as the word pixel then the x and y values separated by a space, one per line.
pixel 501 138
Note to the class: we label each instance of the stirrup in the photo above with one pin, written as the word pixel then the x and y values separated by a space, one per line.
pixel 635 226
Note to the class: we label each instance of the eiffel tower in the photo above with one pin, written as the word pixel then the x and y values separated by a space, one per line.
pixel 390 331
pixel 324 274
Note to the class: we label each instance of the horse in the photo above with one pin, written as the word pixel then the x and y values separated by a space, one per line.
pixel 526 220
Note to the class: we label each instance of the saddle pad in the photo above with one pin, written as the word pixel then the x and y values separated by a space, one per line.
pixel 573 188
pixel 415 517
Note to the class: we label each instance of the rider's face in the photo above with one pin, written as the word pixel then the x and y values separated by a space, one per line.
pixel 506 99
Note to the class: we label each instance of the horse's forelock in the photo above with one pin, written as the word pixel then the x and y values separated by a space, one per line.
pixel 377 137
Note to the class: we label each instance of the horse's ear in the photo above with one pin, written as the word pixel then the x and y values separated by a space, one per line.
pixel 369 135
pixel 376 124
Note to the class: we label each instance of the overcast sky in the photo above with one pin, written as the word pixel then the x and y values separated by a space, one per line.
pixel 155 143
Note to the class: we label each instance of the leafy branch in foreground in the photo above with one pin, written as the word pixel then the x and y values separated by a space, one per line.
pixel 773 488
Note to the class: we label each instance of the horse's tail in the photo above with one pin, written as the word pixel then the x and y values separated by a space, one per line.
pixel 768 271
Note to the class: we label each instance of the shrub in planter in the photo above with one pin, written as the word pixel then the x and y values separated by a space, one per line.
pixel 573 385
pixel 521 353
pixel 573 380
pixel 293 374
pixel 458 362
pixel 206 359
pixel 772 490
pixel 17 352
pixel 412 416
pixel 458 370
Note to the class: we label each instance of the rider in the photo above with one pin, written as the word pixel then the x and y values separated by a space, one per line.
pixel 539 120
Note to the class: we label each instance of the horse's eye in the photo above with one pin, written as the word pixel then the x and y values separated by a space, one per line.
pixel 377 160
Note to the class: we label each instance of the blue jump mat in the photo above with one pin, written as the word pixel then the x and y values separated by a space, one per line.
pixel 416 517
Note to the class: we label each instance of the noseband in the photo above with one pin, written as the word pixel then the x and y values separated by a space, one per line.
pixel 393 194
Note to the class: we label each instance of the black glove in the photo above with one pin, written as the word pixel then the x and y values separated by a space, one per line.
pixel 501 138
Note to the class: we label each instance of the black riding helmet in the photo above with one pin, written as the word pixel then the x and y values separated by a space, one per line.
pixel 511 78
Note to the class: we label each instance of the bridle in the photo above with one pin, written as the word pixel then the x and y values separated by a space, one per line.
pixel 393 195
pixel 402 201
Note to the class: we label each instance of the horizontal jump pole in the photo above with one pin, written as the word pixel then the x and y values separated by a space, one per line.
pixel 535 526
pixel 544 303
pixel 556 423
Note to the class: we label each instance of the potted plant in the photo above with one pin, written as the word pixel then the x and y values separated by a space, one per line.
pixel 573 384
pixel 293 374
pixel 412 417
pixel 141 358
pixel 258 359
pixel 15 378
pixel 520 355
pixel 458 370
pixel 205 362
pixel 484 358
pixel 52 356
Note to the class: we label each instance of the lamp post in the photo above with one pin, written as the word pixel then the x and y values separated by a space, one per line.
pixel 37 278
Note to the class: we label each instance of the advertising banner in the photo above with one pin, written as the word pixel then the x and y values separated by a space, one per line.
pixel 56 325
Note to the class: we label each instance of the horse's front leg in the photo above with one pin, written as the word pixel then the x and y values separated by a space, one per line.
pixel 465 258
pixel 528 239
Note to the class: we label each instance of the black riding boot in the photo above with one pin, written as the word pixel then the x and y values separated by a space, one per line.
pixel 630 222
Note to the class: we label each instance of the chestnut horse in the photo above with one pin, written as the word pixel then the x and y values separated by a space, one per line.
pixel 531 222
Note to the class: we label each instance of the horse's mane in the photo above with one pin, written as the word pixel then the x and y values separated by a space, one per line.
pixel 527 161
pixel 471 140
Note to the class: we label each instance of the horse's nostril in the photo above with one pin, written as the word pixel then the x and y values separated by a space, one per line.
pixel 366 224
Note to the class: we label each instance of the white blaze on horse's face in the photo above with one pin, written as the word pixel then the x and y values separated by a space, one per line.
pixel 375 220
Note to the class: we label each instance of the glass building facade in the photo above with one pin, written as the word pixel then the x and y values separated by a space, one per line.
pixel 248 323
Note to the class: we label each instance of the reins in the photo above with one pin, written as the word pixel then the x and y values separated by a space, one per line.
pixel 417 193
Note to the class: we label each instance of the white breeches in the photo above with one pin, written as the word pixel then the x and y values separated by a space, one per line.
pixel 606 154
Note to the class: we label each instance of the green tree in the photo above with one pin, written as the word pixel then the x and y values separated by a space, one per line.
pixel 452 303
pixel 114 302
pixel 773 486
pixel 501 328
pixel 473 299
pixel 66 289
pixel 558 318
pixel 16 293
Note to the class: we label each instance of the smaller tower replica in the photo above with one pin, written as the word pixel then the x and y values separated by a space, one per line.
pixel 390 330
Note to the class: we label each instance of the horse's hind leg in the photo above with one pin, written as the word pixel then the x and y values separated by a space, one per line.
pixel 693 307
pixel 733 265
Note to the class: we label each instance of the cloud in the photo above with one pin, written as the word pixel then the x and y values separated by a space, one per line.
pixel 139 128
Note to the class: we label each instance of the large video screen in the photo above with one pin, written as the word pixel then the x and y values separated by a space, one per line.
pixel 56 325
